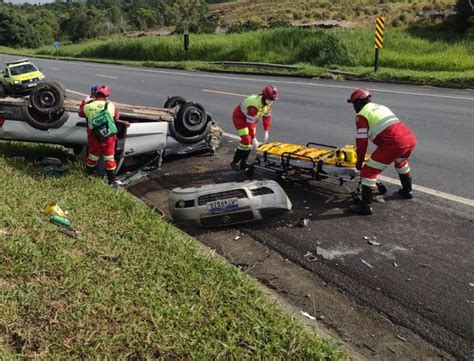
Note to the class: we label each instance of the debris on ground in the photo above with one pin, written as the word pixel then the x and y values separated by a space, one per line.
pixel 54 171
pixel 373 243
pixel 236 238
pixel 302 222
pixel 53 209
pixel 323 253
pixel 401 338
pixel 366 263
pixel 310 257
pixel 395 264
pixel 50 161
pixel 4 232
pixel 68 232
pixel 380 199
pixel 471 284
pixel 306 314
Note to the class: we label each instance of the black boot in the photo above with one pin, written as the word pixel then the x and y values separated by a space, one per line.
pixel 406 191
pixel 243 162
pixel 363 207
pixel 89 171
pixel 112 177
pixel 237 158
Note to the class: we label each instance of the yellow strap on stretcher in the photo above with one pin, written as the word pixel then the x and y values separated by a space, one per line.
pixel 343 157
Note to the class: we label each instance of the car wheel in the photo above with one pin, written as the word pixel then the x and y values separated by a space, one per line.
pixel 3 92
pixel 191 119
pixel 42 121
pixel 174 102
pixel 47 98
pixel 189 139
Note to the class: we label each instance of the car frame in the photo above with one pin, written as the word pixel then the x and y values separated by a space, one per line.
pixel 227 204
pixel 46 116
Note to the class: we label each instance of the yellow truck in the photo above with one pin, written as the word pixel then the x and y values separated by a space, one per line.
pixel 19 77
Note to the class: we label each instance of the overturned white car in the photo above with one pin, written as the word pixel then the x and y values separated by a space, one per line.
pixel 46 116
pixel 227 203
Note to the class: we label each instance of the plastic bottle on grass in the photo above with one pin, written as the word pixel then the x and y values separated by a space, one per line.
pixel 61 221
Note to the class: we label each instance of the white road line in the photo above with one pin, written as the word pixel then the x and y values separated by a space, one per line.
pixel 78 93
pixel 224 93
pixel 106 76
pixel 262 80
pixel 433 192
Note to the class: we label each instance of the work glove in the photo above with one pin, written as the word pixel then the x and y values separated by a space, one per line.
pixel 255 143
pixel 265 137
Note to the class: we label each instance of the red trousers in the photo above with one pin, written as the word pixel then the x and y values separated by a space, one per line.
pixel 385 155
pixel 96 149
pixel 245 130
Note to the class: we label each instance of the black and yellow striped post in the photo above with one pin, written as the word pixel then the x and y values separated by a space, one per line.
pixel 379 26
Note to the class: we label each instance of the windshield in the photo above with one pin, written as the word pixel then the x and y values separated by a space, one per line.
pixel 22 69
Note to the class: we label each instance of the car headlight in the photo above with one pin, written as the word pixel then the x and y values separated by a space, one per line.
pixel 16 82
pixel 180 204
pixel 41 77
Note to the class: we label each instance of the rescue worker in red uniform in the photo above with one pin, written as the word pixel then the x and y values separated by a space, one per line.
pixel 395 143
pixel 96 148
pixel 246 116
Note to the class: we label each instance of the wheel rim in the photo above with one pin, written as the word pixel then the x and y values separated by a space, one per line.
pixel 46 98
pixel 193 118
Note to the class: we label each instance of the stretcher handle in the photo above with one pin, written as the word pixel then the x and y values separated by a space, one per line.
pixel 287 156
pixel 321 145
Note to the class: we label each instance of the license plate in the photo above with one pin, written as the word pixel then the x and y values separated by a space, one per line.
pixel 31 85
pixel 223 205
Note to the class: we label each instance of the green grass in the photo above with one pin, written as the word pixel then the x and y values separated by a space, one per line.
pixel 131 286
pixel 437 56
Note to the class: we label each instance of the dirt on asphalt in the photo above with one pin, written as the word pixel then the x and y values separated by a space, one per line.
pixel 392 286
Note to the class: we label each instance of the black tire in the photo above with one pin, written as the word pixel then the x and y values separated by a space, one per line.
pixel 191 119
pixel 42 121
pixel 174 102
pixel 47 98
pixel 3 92
pixel 189 139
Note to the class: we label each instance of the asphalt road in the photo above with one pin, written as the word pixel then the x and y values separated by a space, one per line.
pixel 420 275
pixel 309 110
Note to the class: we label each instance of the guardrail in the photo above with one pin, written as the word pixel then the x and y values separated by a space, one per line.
pixel 257 65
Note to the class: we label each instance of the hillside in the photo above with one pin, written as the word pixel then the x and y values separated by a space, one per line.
pixel 358 13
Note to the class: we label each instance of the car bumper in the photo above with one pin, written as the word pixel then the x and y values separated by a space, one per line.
pixel 244 209
pixel 24 87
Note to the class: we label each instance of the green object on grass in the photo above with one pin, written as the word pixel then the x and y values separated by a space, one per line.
pixel 60 221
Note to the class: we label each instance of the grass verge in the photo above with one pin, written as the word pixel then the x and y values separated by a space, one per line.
pixel 132 286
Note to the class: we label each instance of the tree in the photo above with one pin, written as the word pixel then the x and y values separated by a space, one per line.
pixel 16 31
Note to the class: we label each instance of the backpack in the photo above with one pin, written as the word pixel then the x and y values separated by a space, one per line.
pixel 103 124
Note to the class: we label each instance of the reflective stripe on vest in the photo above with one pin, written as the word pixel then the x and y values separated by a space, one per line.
pixel 95 107
pixel 379 118
pixel 255 101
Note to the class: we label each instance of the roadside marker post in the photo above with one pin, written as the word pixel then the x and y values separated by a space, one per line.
pixel 186 46
pixel 379 27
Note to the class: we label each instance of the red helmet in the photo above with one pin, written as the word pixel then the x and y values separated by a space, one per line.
pixel 270 92
pixel 359 94
pixel 103 90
